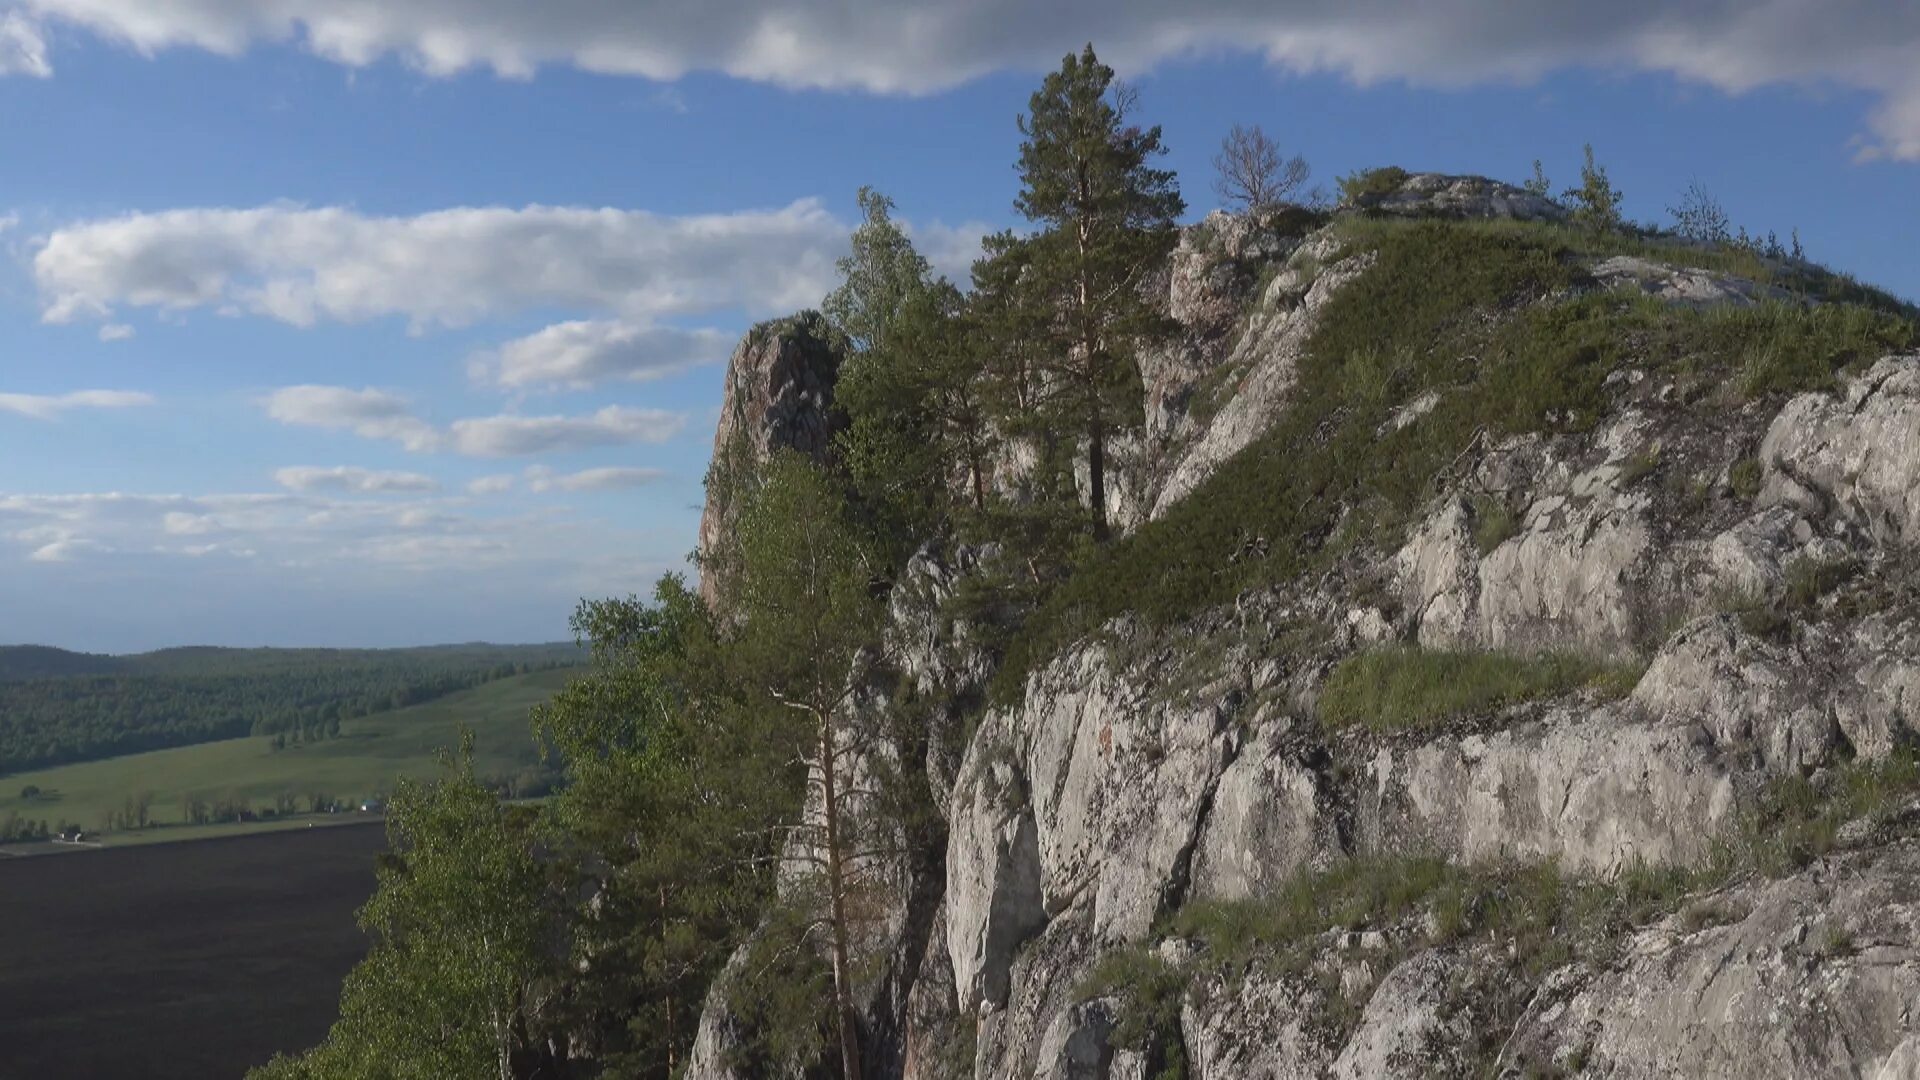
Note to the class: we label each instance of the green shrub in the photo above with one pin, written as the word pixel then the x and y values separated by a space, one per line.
pixel 1401 688
pixel 1493 523
pixel 1744 478
pixel 1639 466
pixel 1371 183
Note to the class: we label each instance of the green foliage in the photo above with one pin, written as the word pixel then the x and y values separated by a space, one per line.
pixel 1494 523
pixel 1700 217
pixel 877 279
pixel 109 706
pixel 234 778
pixel 1402 688
pixel 449 988
pixel 1359 187
pixel 1106 215
pixel 1640 465
pixel 1150 993
pixel 1744 478
pixel 1477 312
pixel 1596 202
pixel 1538 184
pixel 782 997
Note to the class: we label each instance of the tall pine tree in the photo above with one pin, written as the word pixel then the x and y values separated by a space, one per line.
pixel 1107 219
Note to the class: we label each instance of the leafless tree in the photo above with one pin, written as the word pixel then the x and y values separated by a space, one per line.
pixel 1251 174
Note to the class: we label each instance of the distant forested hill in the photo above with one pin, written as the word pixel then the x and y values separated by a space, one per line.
pixel 58 707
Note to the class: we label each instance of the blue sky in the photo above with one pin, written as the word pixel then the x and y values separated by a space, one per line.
pixel 402 323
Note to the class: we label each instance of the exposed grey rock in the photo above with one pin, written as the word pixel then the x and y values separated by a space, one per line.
pixel 1813 976
pixel 993 868
pixel 1856 455
pixel 1120 781
pixel 1408 1029
pixel 717 1046
pixel 1077 1045
pixel 1440 195
pixel 1045 977
pixel 1271 819
pixel 778 394
pixel 1259 1027
pixel 1682 285
pixel 1743 691
pixel 1261 368
pixel 1594 788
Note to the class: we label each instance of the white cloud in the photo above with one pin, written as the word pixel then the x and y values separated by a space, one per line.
pixel 369 413
pixel 611 478
pixel 581 353
pixel 50 406
pixel 513 436
pixel 491 485
pixel 293 529
pixel 23 48
pixel 66 550
pixel 914 46
pixel 116 332
pixel 445 268
pixel 376 414
pixel 351 478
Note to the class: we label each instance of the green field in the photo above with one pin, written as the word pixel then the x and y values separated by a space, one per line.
pixel 370 754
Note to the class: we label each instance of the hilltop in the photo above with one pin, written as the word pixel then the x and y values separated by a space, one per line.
pixel 1454 631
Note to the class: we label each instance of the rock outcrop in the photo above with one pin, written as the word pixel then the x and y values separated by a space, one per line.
pixel 1736 568
pixel 778 395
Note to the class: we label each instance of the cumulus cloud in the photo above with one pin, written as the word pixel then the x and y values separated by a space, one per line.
pixel 445 268
pixel 491 485
pixel 376 414
pixel 916 46
pixel 351 478
pixel 369 413
pixel 293 529
pixel 23 48
pixel 611 478
pixel 116 332
pixel 581 353
pixel 51 406
pixel 514 436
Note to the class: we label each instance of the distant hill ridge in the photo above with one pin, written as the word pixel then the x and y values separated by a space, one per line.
pixel 26 662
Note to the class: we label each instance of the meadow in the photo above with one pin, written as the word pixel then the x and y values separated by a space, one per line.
pixel 369 756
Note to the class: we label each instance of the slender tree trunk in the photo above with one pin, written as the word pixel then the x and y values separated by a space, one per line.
pixel 663 936
pixel 1097 472
pixel 837 905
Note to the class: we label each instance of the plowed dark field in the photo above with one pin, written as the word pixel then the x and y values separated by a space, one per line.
pixel 194 960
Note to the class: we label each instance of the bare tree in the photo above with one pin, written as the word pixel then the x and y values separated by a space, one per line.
pixel 1251 174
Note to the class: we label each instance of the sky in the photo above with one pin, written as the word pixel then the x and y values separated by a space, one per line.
pixel 392 322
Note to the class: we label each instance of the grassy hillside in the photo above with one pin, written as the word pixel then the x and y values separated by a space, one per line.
pixel 370 754
pixel 59 708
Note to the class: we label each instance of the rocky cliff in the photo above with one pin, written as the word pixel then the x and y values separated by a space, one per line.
pixel 1575 739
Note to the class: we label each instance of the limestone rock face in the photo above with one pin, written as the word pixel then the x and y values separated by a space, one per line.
pixel 1595 789
pixel 778 395
pixel 1440 195
pixel 1857 454
pixel 1683 285
pixel 1259 372
pixel 1815 975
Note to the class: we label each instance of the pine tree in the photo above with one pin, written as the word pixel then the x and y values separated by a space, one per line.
pixel 1107 218
pixel 810 617
pixel 1596 200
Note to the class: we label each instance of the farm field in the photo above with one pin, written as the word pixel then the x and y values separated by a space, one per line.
pixel 193 960
pixel 370 754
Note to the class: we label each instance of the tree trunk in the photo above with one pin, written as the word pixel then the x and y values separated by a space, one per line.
pixel 837 906
pixel 1097 473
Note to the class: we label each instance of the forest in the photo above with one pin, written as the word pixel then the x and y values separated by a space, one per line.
pixel 58 707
